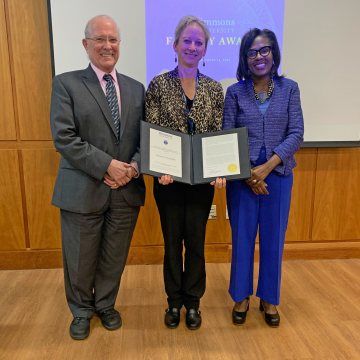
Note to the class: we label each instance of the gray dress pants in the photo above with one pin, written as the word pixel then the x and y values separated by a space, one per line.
pixel 95 249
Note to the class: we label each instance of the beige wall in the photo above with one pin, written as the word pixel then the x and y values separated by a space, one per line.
pixel 319 52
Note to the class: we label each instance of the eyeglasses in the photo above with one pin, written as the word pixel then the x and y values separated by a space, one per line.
pixel 102 40
pixel 264 51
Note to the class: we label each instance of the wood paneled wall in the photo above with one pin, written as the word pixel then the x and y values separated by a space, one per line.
pixel 31 62
pixel 7 121
pixel 12 232
pixel 337 195
pixel 325 212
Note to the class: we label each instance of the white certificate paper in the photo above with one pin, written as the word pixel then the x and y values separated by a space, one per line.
pixel 220 155
pixel 165 153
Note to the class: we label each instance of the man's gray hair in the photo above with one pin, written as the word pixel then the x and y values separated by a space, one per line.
pixel 89 23
pixel 186 21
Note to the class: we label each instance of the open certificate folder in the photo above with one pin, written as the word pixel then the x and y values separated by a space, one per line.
pixel 194 159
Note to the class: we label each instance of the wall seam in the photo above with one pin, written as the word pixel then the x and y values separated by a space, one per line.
pixel 17 125
pixel 313 197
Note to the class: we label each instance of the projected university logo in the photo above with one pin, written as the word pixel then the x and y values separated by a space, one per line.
pixel 227 20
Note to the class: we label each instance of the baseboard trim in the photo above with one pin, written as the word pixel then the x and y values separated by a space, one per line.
pixel 214 253
pixel 30 259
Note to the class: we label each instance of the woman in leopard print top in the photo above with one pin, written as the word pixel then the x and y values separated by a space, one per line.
pixel 165 103
pixel 184 209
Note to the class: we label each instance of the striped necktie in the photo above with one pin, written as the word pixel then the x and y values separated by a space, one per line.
pixel 112 99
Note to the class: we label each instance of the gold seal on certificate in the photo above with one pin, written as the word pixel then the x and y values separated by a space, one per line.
pixel 232 168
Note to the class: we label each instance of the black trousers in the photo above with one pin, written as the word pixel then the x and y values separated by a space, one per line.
pixel 95 249
pixel 184 211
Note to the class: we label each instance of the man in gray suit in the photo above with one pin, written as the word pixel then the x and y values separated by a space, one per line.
pixel 95 123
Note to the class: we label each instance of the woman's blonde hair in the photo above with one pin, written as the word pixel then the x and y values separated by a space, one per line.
pixel 186 21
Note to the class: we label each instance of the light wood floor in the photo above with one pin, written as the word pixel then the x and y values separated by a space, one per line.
pixel 320 318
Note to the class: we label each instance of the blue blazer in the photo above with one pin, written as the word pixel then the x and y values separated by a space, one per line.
pixel 280 129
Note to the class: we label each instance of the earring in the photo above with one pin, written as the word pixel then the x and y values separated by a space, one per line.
pixel 272 72
pixel 175 58
pixel 203 62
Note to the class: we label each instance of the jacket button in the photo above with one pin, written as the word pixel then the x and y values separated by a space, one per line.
pixel 117 142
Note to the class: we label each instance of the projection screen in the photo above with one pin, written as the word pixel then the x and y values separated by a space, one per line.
pixel 318 40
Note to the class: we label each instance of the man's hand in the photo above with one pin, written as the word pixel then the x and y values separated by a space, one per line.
pixel 131 172
pixel 110 181
pixel 119 172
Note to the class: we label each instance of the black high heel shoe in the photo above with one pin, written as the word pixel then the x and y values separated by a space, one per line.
pixel 239 317
pixel 272 320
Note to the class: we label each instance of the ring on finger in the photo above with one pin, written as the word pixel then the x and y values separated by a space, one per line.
pixel 254 181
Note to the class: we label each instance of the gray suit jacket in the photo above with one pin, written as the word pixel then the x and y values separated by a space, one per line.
pixel 84 134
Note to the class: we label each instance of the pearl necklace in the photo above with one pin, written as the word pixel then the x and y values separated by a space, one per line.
pixel 262 95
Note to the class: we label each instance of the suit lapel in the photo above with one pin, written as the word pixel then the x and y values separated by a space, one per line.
pixel 125 102
pixel 91 81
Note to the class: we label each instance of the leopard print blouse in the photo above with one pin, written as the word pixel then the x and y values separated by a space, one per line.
pixel 165 105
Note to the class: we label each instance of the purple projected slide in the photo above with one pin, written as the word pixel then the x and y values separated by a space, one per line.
pixel 228 21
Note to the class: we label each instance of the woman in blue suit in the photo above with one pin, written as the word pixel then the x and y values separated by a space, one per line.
pixel 269 106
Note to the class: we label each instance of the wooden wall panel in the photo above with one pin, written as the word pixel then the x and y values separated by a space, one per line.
pixel 7 120
pixel 40 170
pixel 337 195
pixel 218 230
pixel 30 44
pixel 148 227
pixel 12 234
pixel 301 211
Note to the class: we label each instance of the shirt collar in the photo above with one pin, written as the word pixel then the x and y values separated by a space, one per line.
pixel 100 74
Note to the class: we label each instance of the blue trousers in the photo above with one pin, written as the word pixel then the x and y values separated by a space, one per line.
pixel 269 213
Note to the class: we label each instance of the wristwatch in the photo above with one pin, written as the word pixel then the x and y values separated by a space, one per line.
pixel 136 173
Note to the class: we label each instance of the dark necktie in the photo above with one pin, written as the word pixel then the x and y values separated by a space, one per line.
pixel 112 100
